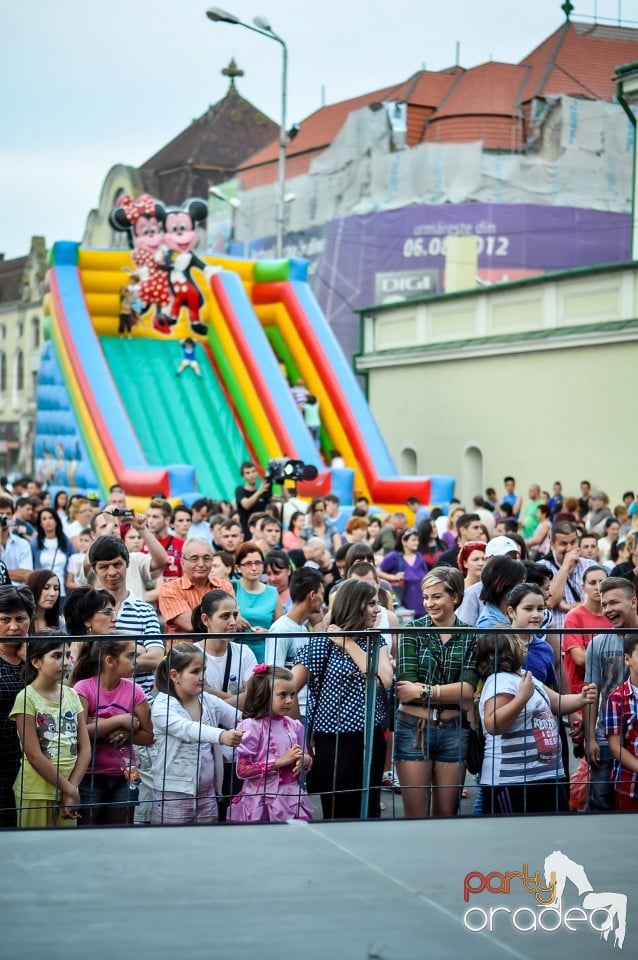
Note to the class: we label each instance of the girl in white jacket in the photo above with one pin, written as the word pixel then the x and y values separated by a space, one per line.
pixel 187 773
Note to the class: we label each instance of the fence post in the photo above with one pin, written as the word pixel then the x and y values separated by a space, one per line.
pixel 372 667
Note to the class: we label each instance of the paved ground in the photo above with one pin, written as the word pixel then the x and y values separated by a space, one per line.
pixel 344 891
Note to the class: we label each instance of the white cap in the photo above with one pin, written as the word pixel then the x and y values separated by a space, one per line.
pixel 501 546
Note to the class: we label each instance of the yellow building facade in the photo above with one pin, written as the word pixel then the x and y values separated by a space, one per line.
pixel 533 378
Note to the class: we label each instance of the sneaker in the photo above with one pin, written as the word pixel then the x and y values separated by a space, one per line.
pixel 390 781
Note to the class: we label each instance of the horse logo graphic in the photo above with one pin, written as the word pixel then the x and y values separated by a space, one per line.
pixel 613 904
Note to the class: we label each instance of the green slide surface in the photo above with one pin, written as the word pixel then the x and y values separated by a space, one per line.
pixel 178 419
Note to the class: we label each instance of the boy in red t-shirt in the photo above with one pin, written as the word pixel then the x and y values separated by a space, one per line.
pixel 586 614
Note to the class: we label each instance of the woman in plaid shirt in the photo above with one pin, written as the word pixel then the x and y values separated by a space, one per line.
pixel 436 680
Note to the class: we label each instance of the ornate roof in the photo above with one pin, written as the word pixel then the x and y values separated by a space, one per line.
pixel 210 149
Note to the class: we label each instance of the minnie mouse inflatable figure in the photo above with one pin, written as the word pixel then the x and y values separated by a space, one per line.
pixel 142 218
pixel 181 238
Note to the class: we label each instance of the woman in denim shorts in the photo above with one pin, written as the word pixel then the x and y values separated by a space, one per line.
pixel 436 679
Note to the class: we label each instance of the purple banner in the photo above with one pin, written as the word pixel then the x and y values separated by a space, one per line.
pixel 400 254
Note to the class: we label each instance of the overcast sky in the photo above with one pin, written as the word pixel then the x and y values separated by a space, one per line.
pixel 88 85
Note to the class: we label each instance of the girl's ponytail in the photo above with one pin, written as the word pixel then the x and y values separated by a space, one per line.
pixel 196 620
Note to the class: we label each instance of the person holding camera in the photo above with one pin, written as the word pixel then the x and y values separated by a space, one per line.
pixel 15 553
pixel 250 498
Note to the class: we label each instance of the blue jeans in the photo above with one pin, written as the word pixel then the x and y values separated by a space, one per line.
pixel 601 789
pixel 446 743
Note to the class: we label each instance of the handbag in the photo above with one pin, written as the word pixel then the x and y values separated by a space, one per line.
pixel 475 751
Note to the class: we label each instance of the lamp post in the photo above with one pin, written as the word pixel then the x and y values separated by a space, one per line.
pixel 234 205
pixel 627 92
pixel 261 26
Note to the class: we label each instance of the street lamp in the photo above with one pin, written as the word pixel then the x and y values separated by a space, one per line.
pixel 262 26
pixel 234 205
pixel 627 92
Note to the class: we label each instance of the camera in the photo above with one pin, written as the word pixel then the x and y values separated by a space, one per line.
pixel 4 521
pixel 116 512
pixel 281 468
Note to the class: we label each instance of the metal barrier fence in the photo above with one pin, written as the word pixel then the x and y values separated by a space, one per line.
pixel 360 742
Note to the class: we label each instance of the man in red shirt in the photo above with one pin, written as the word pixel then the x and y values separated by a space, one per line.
pixel 587 614
pixel 159 514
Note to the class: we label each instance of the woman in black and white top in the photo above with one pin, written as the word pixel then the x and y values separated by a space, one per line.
pixel 334 668
pixel 522 766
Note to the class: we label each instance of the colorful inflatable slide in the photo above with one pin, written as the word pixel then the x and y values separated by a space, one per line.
pixel 118 402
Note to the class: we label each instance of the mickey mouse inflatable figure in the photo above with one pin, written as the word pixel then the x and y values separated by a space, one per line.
pixel 181 239
pixel 163 241
pixel 142 218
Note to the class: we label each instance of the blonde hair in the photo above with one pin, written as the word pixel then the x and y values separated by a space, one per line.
pixel 76 506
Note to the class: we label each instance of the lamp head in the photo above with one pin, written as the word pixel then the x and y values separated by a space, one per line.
pixel 263 24
pixel 217 15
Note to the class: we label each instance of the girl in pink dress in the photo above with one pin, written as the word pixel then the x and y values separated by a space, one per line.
pixel 271 755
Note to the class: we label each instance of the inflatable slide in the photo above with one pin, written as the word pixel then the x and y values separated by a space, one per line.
pixel 113 409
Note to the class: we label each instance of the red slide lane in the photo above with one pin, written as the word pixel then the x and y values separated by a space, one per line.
pixel 391 490
pixel 250 362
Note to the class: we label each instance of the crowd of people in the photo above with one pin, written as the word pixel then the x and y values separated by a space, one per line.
pixel 224 661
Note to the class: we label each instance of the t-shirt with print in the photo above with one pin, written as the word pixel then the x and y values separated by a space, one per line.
pixel 103 703
pixel 56 724
pixel 530 749
pixel 579 618
pixel 173 546
pixel 605 666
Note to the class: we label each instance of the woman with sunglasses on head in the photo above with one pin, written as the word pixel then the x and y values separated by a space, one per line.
pixel 17 609
pixel 259 603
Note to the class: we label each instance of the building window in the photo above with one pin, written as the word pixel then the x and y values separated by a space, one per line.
pixel 35 333
pixel 19 371
pixel 3 331
pixel 3 372
pixel 19 329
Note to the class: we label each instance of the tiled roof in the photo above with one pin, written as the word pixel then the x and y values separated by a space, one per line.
pixel 579 59
pixel 491 88
pixel 209 150
pixel 423 90
pixel 319 129
pixel 483 103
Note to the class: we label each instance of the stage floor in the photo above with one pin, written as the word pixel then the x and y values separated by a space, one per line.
pixel 387 890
